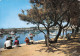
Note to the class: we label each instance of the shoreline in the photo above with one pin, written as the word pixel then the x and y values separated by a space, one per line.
pixel 2 49
pixel 35 42
pixel 62 48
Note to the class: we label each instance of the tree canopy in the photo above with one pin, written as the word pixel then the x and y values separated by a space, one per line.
pixel 51 13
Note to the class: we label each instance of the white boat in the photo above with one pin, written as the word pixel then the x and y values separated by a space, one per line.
pixel 1 33
pixel 53 34
pixel 11 33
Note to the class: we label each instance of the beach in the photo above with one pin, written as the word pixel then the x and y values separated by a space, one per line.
pixel 62 48
pixel 29 50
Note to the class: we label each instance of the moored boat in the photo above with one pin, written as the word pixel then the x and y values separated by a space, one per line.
pixel 11 33
pixel 52 34
pixel 1 33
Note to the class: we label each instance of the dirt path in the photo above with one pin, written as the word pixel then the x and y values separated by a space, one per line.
pixel 30 50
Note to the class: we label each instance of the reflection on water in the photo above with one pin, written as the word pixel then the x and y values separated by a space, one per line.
pixel 22 36
pixel 1 36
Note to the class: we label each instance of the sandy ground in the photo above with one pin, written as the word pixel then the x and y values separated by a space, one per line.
pixel 62 48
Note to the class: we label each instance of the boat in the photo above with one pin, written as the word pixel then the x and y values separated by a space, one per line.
pixel 26 32
pixel 53 34
pixel 11 33
pixel 36 32
pixel 31 35
pixel 1 33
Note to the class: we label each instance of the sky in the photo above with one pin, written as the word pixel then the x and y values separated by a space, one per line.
pixel 9 10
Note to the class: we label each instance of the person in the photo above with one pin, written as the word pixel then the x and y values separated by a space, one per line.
pixel 27 40
pixel 31 38
pixel 8 44
pixel 16 42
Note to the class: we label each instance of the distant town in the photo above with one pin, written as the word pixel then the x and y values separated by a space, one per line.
pixel 28 29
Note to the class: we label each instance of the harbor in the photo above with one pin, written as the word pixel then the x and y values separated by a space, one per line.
pixel 39 27
pixel 23 33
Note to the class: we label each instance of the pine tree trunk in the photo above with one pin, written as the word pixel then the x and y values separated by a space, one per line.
pixel 77 29
pixel 63 35
pixel 47 38
pixel 66 32
pixel 55 40
pixel 72 30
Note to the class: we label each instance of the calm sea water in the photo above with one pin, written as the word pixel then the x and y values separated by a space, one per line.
pixel 23 35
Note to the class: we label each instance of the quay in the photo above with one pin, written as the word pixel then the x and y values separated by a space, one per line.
pixel 28 29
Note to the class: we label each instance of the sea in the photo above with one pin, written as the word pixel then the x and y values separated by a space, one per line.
pixel 23 35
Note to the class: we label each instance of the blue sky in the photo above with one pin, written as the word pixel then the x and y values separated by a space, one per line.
pixel 9 10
